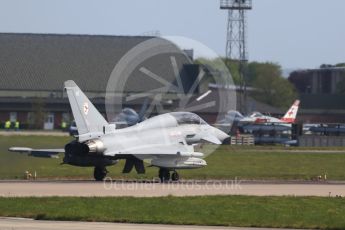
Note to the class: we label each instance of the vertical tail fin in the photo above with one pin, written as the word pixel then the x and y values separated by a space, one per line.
pixel 86 116
pixel 291 114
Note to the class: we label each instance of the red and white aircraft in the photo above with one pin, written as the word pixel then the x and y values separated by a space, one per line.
pixel 259 118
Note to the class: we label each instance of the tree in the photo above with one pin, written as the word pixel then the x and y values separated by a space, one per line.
pixel 234 69
pixel 340 65
pixel 220 64
pixel 36 118
pixel 269 85
pixel 266 78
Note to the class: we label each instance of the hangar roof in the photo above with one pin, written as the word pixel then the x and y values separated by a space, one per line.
pixel 42 62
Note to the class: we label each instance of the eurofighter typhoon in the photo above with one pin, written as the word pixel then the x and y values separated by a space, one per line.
pixel 166 141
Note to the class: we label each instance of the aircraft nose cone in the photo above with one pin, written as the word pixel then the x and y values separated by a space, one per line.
pixel 221 135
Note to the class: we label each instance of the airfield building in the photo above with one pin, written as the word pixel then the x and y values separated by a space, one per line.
pixel 33 68
pixel 322 94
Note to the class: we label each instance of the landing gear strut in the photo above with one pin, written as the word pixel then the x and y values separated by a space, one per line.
pixel 164 175
pixel 99 173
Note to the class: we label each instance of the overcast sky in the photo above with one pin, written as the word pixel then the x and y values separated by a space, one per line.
pixel 294 33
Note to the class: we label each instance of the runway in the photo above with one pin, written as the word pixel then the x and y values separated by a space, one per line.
pixel 29 224
pixel 141 189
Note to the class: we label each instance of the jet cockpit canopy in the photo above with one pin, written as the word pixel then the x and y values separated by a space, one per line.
pixel 256 114
pixel 187 118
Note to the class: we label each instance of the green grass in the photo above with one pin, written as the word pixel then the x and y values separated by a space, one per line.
pixel 226 163
pixel 244 211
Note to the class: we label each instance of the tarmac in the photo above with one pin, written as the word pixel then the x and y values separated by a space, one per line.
pixel 30 224
pixel 151 189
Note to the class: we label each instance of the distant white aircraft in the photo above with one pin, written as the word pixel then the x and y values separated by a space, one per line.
pixel 258 118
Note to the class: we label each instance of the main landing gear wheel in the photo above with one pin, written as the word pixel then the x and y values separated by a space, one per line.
pixel 164 175
pixel 175 176
pixel 99 173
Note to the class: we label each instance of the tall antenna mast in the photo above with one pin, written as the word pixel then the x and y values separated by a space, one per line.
pixel 236 49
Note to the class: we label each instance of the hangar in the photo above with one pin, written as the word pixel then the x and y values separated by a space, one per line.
pixel 322 94
pixel 33 68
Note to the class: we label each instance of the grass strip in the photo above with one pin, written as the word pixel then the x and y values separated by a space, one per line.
pixel 226 163
pixel 241 211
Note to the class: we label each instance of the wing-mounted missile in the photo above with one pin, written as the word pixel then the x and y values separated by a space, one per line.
pixel 179 162
pixel 190 154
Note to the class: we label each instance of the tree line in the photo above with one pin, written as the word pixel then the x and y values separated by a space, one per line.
pixel 265 78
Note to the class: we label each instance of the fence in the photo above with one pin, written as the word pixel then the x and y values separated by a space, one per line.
pixel 321 141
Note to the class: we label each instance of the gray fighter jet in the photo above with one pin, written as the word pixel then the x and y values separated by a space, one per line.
pixel 166 141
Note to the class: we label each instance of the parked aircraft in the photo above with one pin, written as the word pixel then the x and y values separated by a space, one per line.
pixel 129 116
pixel 258 118
pixel 166 141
